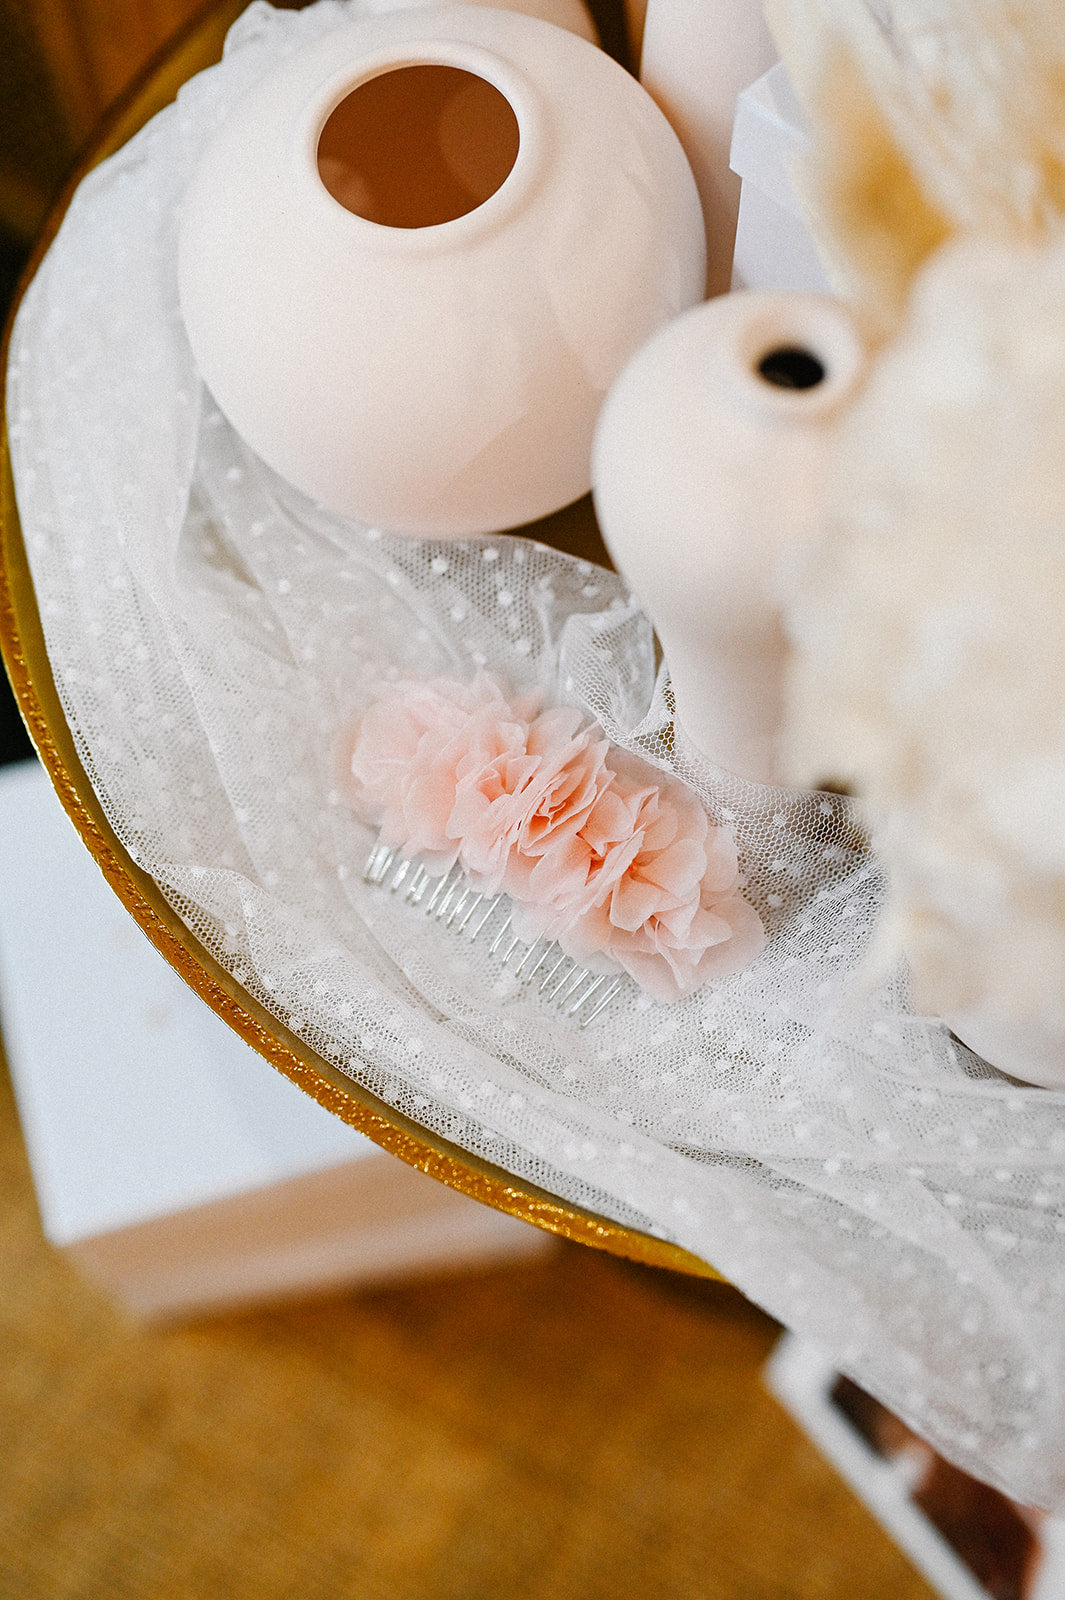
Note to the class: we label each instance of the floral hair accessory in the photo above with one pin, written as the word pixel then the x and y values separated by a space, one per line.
pixel 593 848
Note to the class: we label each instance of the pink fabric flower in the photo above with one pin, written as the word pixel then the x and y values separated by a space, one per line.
pixel 508 815
pixel 408 749
pixel 658 889
pixel 594 848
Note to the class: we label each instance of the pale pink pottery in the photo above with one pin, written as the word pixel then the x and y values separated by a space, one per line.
pixel 697 56
pixel 709 463
pixel 417 253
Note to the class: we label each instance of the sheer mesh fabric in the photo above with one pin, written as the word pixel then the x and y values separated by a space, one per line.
pixel 214 636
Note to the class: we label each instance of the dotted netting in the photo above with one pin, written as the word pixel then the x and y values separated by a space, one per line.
pixel 214 638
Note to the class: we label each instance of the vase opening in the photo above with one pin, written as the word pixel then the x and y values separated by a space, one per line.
pixel 791 366
pixel 418 146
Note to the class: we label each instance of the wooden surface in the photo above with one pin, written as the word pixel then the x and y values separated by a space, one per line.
pixel 93 48
pixel 62 64
pixel 574 1429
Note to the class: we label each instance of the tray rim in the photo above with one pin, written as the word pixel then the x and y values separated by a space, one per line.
pixel 25 658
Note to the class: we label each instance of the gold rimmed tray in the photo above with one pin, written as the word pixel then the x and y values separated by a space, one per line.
pixel 25 657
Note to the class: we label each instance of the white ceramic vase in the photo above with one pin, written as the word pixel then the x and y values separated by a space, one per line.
pixel 708 466
pixel 697 56
pixel 417 253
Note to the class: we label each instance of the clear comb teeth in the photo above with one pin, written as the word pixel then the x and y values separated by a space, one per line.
pixel 452 900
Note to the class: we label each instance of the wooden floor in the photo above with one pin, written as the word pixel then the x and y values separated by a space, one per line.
pixel 573 1429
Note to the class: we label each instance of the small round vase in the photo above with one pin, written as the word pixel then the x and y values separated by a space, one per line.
pixel 708 465
pixel 416 255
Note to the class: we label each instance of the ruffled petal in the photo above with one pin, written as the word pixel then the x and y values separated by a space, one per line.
pixel 592 847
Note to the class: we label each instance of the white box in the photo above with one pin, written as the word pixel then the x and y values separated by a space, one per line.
pixel 172 1163
pixel 774 246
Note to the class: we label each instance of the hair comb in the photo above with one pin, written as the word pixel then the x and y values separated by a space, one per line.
pixel 619 860
pixel 453 901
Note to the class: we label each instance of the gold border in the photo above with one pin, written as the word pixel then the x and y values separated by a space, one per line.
pixel 23 650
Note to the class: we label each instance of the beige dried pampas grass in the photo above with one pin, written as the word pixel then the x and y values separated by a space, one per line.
pixel 928 620
pixel 928 118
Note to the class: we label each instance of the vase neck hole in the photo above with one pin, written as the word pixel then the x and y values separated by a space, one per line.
pixel 792 366
pixel 418 146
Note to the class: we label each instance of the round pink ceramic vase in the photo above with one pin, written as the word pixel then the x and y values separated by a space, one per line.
pixel 417 253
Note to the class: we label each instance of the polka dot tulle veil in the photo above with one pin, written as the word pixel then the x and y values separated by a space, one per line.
pixel 215 640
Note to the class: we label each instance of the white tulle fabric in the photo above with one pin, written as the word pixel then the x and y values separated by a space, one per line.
pixel 214 638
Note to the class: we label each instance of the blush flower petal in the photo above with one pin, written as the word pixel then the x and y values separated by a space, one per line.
pixel 617 862
pixel 409 747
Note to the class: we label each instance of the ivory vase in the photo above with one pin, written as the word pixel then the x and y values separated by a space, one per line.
pixel 708 467
pixel 437 377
